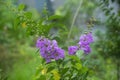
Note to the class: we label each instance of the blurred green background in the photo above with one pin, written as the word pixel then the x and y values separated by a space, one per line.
pixel 18 57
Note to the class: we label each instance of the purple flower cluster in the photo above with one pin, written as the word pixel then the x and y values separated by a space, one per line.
pixel 85 41
pixel 49 49
pixel 83 44
pixel 72 50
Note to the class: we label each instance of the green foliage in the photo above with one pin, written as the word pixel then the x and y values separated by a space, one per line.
pixel 70 68
pixel 40 26
pixel 20 25
pixel 110 43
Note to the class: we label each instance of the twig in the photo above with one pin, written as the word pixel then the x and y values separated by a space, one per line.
pixel 74 18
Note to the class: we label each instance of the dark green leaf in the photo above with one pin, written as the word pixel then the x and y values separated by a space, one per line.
pixel 64 70
pixel 50 68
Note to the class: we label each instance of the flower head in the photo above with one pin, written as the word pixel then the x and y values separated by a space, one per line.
pixel 72 50
pixel 84 42
pixel 86 39
pixel 49 49
pixel 58 53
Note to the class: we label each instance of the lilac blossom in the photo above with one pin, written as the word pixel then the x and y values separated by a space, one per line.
pixel 58 53
pixel 86 39
pixel 72 50
pixel 83 44
pixel 86 49
pixel 49 49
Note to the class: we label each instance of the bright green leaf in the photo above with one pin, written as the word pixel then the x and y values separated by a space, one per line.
pixel 78 66
pixel 21 7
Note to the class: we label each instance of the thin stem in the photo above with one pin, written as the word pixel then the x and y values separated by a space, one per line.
pixel 74 18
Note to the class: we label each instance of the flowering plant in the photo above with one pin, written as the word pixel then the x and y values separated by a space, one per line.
pixel 63 66
pixel 56 63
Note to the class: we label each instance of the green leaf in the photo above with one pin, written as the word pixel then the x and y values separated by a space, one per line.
pixel 16 22
pixel 107 12
pixel 54 17
pixel 78 66
pixel 28 15
pixel 42 77
pixel 74 59
pixel 85 76
pixel 56 74
pixel 21 7
pixel 37 51
pixel 43 61
pixel 66 62
pixel 85 62
pixel 79 54
pixel 84 69
pixel 39 68
pixel 50 68
pixel 64 70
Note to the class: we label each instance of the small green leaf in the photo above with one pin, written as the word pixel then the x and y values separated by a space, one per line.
pixel 79 54
pixel 78 66
pixel 54 17
pixel 21 7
